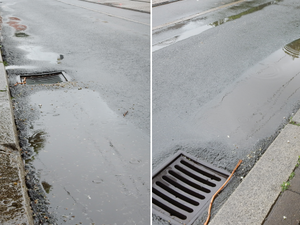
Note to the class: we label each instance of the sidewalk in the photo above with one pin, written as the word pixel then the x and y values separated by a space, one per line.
pixel 136 5
pixel 14 201
pixel 286 210
pixel 259 198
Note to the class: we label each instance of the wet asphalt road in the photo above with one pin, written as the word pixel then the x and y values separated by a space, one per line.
pixel 174 11
pixel 91 162
pixel 224 83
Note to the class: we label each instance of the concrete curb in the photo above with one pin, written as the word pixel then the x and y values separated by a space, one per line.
pixel 296 118
pixel 156 3
pixel 251 202
pixel 14 200
pixel 134 5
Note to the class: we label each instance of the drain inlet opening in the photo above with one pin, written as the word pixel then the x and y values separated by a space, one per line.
pixel 44 78
pixel 183 187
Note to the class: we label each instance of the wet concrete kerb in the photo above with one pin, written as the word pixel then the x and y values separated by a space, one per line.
pixel 251 202
pixel 156 3
pixel 142 6
pixel 14 201
pixel 296 118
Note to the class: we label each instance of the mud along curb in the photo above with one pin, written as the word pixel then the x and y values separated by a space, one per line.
pixel 14 201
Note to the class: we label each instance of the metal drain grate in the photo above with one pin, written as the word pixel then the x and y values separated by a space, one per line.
pixel 44 78
pixel 182 189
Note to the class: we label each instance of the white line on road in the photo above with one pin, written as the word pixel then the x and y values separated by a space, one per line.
pixel 108 14
pixel 195 15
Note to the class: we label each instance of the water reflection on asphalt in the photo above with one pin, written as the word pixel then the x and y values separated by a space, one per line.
pixel 190 28
pixel 37 53
pixel 258 102
pixel 92 163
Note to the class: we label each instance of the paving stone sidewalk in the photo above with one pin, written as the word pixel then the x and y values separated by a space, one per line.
pixel 286 210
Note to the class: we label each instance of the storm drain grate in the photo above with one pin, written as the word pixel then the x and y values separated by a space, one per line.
pixel 183 188
pixel 44 78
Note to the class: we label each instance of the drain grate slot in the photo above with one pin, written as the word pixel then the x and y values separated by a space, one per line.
pixel 187 181
pixel 200 171
pixel 177 194
pixel 170 210
pixel 44 78
pixel 183 187
pixel 171 200
pixel 192 175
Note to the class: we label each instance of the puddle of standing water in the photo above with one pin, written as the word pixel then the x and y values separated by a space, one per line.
pixel 14 67
pixel 183 36
pixel 93 165
pixel 195 27
pixel 249 11
pixel 293 49
pixel 21 34
pixel 37 53
pixel 257 104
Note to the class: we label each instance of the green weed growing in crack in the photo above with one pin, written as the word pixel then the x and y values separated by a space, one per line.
pixel 291 121
pixel 298 162
pixel 4 89
pixel 4 63
pixel 285 186
pixel 292 175
pixel 294 123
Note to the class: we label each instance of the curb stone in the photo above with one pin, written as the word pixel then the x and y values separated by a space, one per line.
pixel 14 201
pixel 251 202
pixel 296 117
pixel 143 6
pixel 156 3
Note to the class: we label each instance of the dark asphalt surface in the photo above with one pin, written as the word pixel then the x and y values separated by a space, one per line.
pixel 87 49
pixel 173 11
pixel 209 15
pixel 224 93
pixel 91 162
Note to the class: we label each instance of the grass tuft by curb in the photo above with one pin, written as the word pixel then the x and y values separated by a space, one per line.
pixel 298 162
pixel 294 123
pixel 291 121
pixel 286 185
pixel 4 63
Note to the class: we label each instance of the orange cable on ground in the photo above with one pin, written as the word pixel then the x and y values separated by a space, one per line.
pixel 213 197
pixel 24 82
